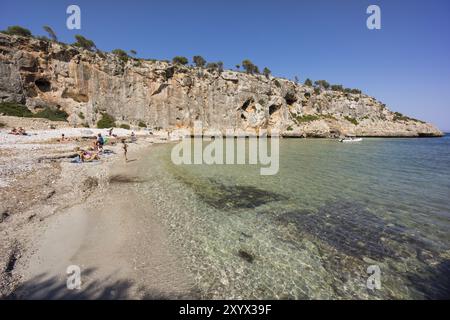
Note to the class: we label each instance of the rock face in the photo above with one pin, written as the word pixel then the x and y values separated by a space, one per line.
pixel 162 95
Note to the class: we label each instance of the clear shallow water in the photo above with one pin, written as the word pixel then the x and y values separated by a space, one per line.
pixel 312 230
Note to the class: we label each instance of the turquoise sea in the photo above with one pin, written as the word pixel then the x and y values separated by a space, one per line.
pixel 312 230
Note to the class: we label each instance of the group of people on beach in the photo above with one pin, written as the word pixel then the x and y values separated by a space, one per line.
pixel 18 131
pixel 97 147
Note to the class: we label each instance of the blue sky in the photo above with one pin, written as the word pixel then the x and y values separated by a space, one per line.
pixel 406 64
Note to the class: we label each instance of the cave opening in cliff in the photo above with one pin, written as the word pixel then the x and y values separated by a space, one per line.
pixel 273 108
pixel 246 104
pixel 290 99
pixel 43 85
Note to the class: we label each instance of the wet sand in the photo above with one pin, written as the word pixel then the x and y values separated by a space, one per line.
pixel 117 242
pixel 56 214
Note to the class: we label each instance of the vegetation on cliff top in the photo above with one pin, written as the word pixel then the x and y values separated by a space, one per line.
pixel 180 60
pixel 50 33
pixel 84 43
pixel 215 66
pixel 249 67
pixel 17 31
pixel 121 54
pixel 198 61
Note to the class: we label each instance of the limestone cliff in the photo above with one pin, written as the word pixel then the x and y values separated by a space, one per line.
pixel 86 84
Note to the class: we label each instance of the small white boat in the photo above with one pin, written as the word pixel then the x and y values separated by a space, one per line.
pixel 350 139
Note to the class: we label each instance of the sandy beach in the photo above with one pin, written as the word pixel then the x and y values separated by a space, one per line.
pixel 55 213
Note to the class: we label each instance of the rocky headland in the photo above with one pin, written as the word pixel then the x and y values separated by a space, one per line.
pixel 162 95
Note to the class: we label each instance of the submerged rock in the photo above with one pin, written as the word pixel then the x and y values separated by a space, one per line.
pixel 246 256
pixel 352 229
pixel 225 197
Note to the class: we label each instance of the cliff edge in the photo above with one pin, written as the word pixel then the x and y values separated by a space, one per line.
pixel 43 74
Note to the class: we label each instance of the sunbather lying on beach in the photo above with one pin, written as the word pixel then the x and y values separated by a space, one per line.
pixel 86 156
pixel 18 132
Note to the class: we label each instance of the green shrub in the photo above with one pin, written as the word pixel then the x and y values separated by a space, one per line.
pixel 50 33
pixel 337 87
pixel 18 31
pixel 401 117
pixel 180 60
pixel 354 91
pixel 267 72
pixel 249 67
pixel 308 82
pixel 142 124
pixel 125 126
pixel 2 125
pixel 81 115
pixel 307 118
pixel 352 120
pixel 289 128
pixel 15 109
pixel 218 66
pixel 328 116
pixel 43 38
pixel 107 121
pixel 52 114
pixel 322 83
pixel 19 110
pixel 84 43
pixel 199 61
pixel 121 54
pixel 317 90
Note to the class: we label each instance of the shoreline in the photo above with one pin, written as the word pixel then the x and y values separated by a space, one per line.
pixel 90 215
pixel 78 216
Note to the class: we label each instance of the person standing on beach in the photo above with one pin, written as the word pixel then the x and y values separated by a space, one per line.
pixel 100 142
pixel 125 149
